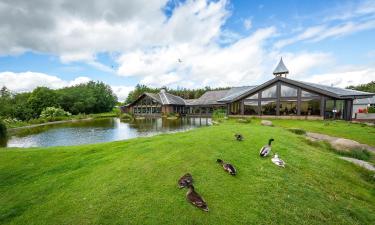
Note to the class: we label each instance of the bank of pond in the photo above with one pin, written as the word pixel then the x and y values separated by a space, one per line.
pixel 96 131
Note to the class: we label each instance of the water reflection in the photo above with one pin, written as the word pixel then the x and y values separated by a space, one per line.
pixel 100 130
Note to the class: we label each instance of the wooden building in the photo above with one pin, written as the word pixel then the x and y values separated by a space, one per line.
pixel 278 97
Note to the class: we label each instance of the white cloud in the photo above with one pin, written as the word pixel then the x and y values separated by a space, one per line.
pixel 27 81
pixel 121 91
pixel 344 78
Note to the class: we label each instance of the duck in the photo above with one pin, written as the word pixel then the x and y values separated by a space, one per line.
pixel 276 160
pixel 238 137
pixel 194 198
pixel 265 150
pixel 185 180
pixel 227 167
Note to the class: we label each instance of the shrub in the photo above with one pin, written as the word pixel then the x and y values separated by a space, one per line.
pixel 361 154
pixel 218 114
pixel 371 109
pixel 52 113
pixel 297 131
pixel 3 130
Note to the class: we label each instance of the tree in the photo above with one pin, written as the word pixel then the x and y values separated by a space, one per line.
pixel 41 98
pixel 369 87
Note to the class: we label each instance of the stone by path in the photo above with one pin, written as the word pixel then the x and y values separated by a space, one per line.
pixel 360 163
pixel 339 143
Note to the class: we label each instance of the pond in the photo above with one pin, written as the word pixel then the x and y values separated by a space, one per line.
pixel 98 130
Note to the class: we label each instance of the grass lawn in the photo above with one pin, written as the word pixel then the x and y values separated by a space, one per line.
pixel 358 132
pixel 135 181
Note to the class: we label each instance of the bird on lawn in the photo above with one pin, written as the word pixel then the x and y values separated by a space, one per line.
pixel 276 160
pixel 185 180
pixel 238 137
pixel 265 150
pixel 194 198
pixel 227 167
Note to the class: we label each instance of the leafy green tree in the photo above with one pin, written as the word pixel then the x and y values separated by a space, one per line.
pixel 3 130
pixel 41 98
pixel 369 87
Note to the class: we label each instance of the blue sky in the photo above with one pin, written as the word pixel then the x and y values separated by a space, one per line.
pixel 220 43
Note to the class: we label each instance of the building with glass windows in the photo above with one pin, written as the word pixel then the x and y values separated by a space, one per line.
pixel 278 97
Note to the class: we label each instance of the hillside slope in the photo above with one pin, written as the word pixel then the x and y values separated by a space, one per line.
pixel 134 181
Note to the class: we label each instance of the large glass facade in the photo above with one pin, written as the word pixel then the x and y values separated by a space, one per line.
pixel 254 96
pixel 288 108
pixel 310 107
pixel 269 92
pixel 251 108
pixel 287 91
pixel 268 107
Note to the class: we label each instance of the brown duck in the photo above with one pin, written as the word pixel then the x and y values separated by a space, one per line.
pixel 227 167
pixel 185 180
pixel 194 198
pixel 238 137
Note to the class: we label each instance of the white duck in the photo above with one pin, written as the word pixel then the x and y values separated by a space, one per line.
pixel 276 160
pixel 265 150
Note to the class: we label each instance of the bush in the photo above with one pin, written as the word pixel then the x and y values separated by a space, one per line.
pixel 371 109
pixel 218 114
pixel 52 113
pixel 3 130
pixel 297 131
pixel 361 154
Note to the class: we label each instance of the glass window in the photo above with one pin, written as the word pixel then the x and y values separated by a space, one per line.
pixel 254 96
pixel 340 109
pixel 288 108
pixel 268 107
pixel 235 108
pixel 269 92
pixel 329 109
pixel 307 94
pixel 287 91
pixel 251 108
pixel 310 107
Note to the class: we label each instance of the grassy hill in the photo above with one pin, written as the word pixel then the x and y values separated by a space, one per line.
pixel 134 182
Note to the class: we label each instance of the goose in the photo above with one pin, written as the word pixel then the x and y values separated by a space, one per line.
pixel 194 198
pixel 238 137
pixel 227 167
pixel 265 150
pixel 185 180
pixel 276 160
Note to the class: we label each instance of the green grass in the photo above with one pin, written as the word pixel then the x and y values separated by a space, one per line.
pixel 358 132
pixel 135 181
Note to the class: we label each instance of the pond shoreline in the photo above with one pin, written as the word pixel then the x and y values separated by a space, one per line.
pixel 49 123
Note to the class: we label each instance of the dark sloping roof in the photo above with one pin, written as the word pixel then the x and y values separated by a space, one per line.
pixel 209 98
pixel 154 96
pixel 364 101
pixel 340 92
pixel 334 92
pixel 280 68
pixel 234 92
pixel 169 99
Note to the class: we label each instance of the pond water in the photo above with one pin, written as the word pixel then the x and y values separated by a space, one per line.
pixel 98 130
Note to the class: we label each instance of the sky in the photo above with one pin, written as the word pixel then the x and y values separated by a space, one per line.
pixel 185 43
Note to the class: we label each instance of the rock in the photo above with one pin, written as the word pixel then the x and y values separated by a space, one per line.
pixel 360 163
pixel 266 123
pixel 345 144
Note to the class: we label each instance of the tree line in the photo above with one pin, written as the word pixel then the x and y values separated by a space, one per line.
pixel 369 87
pixel 91 97
pixel 182 92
